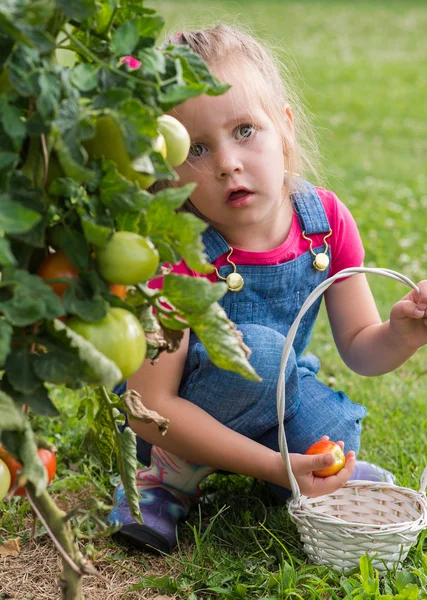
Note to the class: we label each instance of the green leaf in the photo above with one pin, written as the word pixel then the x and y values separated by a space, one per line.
pixel 23 69
pixel 19 369
pixel 12 418
pixel 89 406
pixel 49 93
pixel 222 341
pixel 79 9
pixel 13 123
pixel 98 369
pixel 95 234
pixel 40 403
pixel 100 440
pixel 15 218
pixel 125 38
pixel 85 77
pixel 192 294
pixel 32 300
pixel 80 299
pixel 173 198
pixel 32 465
pixel 75 247
pixel 180 231
pixel 120 195
pixel 111 98
pixel 153 61
pixel 5 338
pixel 176 94
pixel 127 462
pixel 7 258
pixel 150 26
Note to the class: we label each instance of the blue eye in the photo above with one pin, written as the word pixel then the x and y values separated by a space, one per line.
pixel 245 132
pixel 196 150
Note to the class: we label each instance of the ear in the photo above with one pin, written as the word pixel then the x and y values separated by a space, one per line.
pixel 289 117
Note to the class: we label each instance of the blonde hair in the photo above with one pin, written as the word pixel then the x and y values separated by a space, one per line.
pixel 224 46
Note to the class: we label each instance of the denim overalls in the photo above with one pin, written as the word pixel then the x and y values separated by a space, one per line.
pixel 264 310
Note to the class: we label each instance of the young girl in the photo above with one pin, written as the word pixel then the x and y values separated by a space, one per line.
pixel 266 224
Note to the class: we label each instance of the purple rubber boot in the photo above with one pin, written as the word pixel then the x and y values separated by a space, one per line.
pixel 365 471
pixel 168 489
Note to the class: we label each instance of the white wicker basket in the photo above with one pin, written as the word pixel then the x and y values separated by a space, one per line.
pixel 378 519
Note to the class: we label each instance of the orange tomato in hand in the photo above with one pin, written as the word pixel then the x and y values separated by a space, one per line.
pixel 328 447
pixel 47 457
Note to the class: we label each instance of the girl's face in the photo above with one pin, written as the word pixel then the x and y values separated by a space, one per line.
pixel 236 158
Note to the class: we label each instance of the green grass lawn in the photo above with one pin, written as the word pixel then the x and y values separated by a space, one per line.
pixel 361 70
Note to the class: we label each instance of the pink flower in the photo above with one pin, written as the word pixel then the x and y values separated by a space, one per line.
pixel 133 63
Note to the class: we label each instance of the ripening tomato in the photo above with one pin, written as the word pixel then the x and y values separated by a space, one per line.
pixel 47 457
pixel 328 447
pixel 118 290
pixel 127 258
pixel 58 265
pixel 177 139
pixel 119 336
pixel 4 479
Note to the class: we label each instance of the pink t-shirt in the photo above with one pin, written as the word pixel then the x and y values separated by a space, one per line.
pixel 345 243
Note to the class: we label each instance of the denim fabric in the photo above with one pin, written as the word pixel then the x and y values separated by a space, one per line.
pixel 264 311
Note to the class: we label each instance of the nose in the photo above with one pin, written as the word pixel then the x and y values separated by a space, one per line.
pixel 228 162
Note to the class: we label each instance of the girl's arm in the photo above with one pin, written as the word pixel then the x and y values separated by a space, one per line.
pixel 196 436
pixel 366 344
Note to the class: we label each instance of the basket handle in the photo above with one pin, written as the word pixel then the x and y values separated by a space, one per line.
pixel 318 291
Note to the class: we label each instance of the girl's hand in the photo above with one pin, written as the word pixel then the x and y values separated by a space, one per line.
pixel 408 317
pixel 303 466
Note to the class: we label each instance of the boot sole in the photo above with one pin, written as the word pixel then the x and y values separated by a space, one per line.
pixel 145 538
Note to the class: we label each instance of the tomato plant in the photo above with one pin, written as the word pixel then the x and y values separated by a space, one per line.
pixel 47 457
pixel 127 258
pixel 119 336
pixel 177 139
pixel 328 447
pixel 82 137
pixel 4 479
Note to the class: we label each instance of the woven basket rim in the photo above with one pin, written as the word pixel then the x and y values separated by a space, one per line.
pixel 300 512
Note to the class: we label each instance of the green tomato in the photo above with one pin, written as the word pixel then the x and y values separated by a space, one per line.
pixel 177 139
pixel 108 142
pixel 4 479
pixel 127 258
pixel 119 336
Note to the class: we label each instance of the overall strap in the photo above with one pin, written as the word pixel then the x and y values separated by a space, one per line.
pixel 215 244
pixel 309 209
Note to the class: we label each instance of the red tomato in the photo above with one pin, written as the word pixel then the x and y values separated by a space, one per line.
pixel 328 447
pixel 47 457
pixel 58 265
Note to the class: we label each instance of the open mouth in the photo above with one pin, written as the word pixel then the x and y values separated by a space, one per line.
pixel 239 197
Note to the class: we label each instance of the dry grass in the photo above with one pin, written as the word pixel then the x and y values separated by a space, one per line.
pixel 34 574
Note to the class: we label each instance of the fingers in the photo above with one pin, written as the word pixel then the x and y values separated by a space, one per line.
pixel 413 305
pixel 315 462
pixel 331 484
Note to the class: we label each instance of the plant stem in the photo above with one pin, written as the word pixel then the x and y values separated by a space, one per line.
pixel 85 50
pixel 53 518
